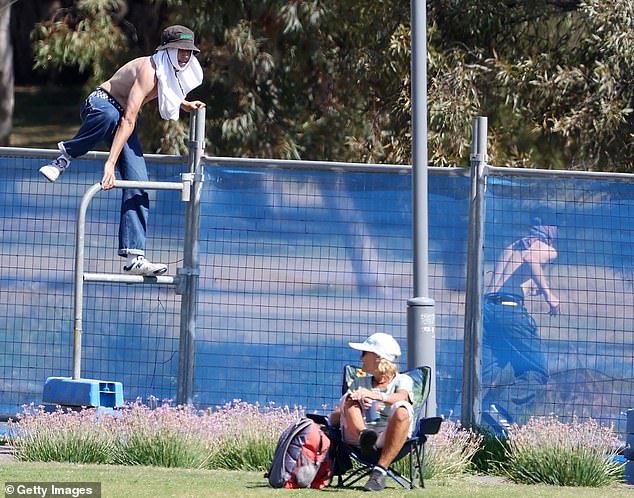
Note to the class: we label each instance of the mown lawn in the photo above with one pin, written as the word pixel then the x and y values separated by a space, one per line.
pixel 155 482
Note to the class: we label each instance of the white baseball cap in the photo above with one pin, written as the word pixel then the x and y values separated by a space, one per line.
pixel 381 344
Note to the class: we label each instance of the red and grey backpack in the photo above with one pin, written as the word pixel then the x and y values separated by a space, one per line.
pixel 301 457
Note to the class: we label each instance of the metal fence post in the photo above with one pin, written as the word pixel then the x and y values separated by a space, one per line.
pixel 191 261
pixel 472 361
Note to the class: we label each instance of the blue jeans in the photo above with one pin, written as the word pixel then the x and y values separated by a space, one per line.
pixel 510 336
pixel 100 118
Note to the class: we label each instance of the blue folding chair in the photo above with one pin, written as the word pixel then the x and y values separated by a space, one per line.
pixel 346 457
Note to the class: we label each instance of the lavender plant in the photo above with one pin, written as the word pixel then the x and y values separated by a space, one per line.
pixel 237 436
pixel 168 436
pixel 61 436
pixel 448 453
pixel 249 435
pixel 549 451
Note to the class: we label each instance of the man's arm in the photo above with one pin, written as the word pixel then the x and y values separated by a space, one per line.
pixel 366 395
pixel 535 257
pixel 141 88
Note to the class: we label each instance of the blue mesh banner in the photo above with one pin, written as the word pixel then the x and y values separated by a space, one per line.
pixel 564 345
pixel 299 263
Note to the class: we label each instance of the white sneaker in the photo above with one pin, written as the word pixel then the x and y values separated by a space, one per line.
pixel 52 170
pixel 141 266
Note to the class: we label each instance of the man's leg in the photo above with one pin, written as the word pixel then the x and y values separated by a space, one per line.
pixel 393 440
pixel 135 207
pixel 530 366
pixel 352 420
pixel 99 123
pixel 395 436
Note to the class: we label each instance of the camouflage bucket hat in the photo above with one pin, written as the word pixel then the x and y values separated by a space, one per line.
pixel 178 37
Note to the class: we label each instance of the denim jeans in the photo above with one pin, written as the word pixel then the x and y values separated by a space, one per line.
pixel 100 119
pixel 514 365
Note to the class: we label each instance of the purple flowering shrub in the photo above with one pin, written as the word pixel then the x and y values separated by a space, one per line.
pixel 448 453
pixel 61 436
pixel 248 436
pixel 549 451
pixel 237 436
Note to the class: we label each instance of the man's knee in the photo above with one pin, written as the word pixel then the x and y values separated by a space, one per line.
pixel 400 415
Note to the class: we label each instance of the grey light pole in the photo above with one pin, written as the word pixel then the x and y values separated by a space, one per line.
pixel 421 328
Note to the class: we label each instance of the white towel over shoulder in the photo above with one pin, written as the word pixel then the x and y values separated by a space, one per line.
pixel 174 84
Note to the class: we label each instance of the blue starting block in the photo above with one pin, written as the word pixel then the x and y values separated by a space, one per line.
pixel 66 391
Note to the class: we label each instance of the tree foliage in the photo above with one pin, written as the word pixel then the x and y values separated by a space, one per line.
pixel 554 76
pixel 6 74
pixel 82 36
pixel 330 80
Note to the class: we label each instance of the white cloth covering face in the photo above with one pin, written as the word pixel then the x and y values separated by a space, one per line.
pixel 174 82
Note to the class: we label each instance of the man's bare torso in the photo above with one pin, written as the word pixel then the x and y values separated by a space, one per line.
pixel 121 82
pixel 514 274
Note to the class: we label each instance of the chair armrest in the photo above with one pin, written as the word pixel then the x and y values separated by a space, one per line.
pixel 429 425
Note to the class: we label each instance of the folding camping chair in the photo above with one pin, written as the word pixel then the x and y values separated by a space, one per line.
pixel 343 455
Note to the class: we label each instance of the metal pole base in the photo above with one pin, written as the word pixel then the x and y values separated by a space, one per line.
pixel 421 341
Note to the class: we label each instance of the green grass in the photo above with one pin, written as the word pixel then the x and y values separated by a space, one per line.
pixel 155 482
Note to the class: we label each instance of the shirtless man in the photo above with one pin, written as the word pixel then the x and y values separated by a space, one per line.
pixel 520 269
pixel 109 115
pixel 510 335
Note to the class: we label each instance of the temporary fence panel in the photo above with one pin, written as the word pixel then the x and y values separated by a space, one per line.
pixel 130 332
pixel 295 262
pixel 300 262
pixel 579 362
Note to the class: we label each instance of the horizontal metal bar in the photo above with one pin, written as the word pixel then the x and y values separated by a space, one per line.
pixel 331 165
pixel 149 185
pixel 92 155
pixel 312 165
pixel 131 279
pixel 559 173
pixel 406 169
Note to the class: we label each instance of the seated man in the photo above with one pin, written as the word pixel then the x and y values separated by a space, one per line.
pixel 385 392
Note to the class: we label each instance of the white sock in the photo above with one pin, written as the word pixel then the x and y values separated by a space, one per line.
pixel 380 469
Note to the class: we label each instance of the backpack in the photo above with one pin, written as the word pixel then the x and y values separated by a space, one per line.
pixel 301 457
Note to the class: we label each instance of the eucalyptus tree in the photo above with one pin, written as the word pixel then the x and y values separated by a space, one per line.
pixel 330 80
pixel 555 78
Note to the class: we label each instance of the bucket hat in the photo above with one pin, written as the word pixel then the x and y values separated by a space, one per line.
pixel 177 36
